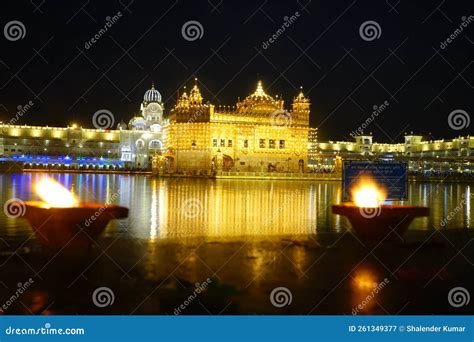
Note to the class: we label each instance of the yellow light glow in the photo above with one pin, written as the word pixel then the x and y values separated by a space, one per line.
pixel 364 280
pixel 55 195
pixel 366 193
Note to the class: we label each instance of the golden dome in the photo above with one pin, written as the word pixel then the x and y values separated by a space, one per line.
pixel 260 94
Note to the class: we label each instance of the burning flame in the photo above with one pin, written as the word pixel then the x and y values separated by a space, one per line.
pixel 55 195
pixel 366 193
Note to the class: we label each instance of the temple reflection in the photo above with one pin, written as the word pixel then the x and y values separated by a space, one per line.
pixel 185 208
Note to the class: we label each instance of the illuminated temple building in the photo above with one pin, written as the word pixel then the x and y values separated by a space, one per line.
pixel 256 136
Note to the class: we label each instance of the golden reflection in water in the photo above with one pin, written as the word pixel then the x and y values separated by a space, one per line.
pixel 364 287
pixel 227 209
pixel 260 262
pixel 154 211
pixel 236 208
pixel 467 195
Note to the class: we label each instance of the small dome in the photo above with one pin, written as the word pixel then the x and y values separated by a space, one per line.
pixel 152 95
pixel 137 122
pixel 122 125
pixel 259 94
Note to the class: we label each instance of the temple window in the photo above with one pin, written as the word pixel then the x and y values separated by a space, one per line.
pixel 214 142
pixel 229 143
pixel 262 143
pixel 246 143
pixel 282 143
pixel 222 142
pixel 271 143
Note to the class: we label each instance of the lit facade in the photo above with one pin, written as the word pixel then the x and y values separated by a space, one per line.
pixel 257 135
pixel 422 153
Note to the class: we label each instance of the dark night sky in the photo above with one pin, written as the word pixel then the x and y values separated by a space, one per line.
pixel 344 75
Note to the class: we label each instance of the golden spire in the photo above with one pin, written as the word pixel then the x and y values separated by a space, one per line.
pixel 259 91
pixel 195 94
pixel 153 85
pixel 260 94
pixel 300 97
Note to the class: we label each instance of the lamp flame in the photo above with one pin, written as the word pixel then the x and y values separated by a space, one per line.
pixel 366 193
pixel 55 195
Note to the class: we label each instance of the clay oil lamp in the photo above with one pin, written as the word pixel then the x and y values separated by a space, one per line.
pixel 370 218
pixel 60 220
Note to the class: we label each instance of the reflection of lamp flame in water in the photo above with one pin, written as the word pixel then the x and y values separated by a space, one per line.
pixel 55 195
pixel 367 193
pixel 365 282
pixel 363 296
